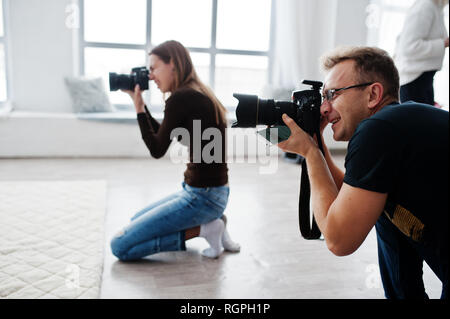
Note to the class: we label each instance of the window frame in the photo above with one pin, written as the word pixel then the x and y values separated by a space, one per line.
pixel 5 40
pixel 213 51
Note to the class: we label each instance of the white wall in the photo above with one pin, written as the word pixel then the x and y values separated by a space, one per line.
pixel 351 22
pixel 41 55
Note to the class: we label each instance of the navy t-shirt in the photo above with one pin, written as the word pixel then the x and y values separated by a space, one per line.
pixel 402 150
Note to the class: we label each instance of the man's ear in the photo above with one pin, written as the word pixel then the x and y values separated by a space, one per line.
pixel 376 94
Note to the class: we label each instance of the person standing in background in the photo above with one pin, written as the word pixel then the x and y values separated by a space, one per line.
pixel 420 50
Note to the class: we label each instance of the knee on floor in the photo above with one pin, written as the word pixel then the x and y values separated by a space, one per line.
pixel 118 250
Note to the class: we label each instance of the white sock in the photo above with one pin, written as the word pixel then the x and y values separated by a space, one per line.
pixel 229 244
pixel 213 232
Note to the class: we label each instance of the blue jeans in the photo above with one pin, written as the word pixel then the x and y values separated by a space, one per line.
pixel 401 260
pixel 161 226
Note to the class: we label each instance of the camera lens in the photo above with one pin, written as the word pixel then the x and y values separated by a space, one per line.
pixel 246 111
pixel 252 111
pixel 139 75
pixel 121 82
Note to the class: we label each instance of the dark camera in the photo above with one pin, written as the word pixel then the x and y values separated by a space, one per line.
pixel 304 109
pixel 138 75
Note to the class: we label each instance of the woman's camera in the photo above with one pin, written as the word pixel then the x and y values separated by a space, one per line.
pixel 138 75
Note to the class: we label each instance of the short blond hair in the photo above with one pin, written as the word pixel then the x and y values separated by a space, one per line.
pixel 371 65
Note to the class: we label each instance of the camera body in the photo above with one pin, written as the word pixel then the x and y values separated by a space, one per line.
pixel 139 75
pixel 304 109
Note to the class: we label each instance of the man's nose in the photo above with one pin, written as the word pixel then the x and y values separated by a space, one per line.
pixel 325 108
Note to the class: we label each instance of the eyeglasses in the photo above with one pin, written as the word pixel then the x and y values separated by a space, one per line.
pixel 330 94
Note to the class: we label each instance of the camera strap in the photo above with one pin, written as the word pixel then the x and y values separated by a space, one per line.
pixel 308 228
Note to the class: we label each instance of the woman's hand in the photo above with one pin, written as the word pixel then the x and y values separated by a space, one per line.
pixel 299 142
pixel 136 96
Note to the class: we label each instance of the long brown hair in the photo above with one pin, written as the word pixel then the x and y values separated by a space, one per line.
pixel 185 75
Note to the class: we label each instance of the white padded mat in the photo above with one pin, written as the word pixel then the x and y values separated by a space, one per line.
pixel 51 239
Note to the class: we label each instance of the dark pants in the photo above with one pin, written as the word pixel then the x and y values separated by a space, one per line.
pixel 420 90
pixel 401 262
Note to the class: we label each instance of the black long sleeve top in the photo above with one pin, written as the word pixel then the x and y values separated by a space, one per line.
pixel 193 113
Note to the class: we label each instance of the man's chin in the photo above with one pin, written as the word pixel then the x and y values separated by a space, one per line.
pixel 338 137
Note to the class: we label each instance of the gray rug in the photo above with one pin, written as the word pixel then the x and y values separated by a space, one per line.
pixel 51 238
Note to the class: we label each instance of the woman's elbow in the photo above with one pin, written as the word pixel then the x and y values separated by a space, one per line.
pixel 157 154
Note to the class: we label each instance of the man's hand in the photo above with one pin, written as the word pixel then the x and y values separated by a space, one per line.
pixel 299 142
pixel 136 96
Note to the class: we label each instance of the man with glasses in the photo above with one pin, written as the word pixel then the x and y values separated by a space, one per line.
pixel 396 170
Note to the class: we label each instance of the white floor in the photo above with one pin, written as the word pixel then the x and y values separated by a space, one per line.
pixel 275 261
